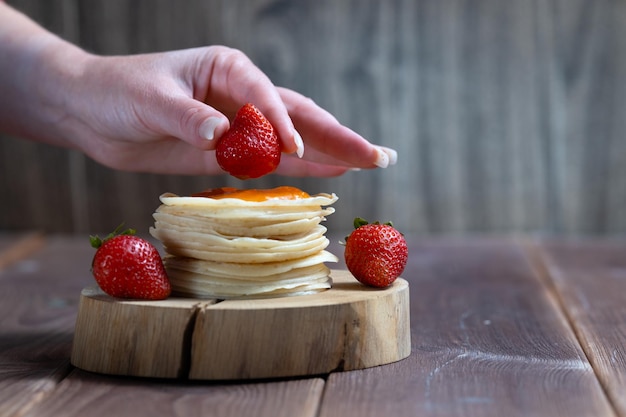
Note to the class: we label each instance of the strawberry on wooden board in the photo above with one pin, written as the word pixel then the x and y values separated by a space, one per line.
pixel 375 253
pixel 127 266
pixel 250 148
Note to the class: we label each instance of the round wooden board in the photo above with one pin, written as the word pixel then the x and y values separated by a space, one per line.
pixel 348 327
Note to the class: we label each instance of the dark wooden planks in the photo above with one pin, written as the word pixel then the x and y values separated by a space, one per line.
pixel 488 340
pixel 590 277
pixel 85 394
pixel 38 302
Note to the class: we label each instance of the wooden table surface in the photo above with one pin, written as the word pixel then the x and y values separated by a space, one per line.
pixel 500 327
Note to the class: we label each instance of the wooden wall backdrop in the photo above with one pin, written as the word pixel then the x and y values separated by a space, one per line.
pixel 508 116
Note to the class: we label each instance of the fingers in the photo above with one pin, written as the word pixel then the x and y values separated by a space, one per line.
pixel 333 143
pixel 236 81
pixel 177 157
pixel 293 166
pixel 388 157
pixel 192 121
pixel 197 110
pixel 199 89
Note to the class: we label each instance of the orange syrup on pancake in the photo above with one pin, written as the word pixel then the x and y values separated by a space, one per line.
pixel 254 195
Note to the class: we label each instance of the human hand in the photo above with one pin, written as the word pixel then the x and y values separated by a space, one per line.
pixel 165 112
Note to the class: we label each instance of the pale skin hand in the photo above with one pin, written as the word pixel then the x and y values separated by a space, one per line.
pixel 160 112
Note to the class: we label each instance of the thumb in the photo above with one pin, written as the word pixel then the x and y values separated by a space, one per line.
pixel 193 122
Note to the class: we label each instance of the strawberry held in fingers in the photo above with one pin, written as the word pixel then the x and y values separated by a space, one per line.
pixel 375 254
pixel 127 266
pixel 250 148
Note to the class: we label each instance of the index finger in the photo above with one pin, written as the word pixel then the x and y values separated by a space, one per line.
pixel 323 132
pixel 236 79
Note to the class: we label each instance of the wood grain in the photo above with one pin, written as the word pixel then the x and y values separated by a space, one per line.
pixel 84 394
pixel 38 299
pixel 138 338
pixel 38 305
pixel 347 327
pixel 491 336
pixel 507 117
pixel 488 337
pixel 590 277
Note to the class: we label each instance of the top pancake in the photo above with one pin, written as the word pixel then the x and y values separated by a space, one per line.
pixel 321 199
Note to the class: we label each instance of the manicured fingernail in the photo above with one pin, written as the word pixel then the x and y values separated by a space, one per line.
pixel 391 153
pixel 382 159
pixel 208 127
pixel 299 143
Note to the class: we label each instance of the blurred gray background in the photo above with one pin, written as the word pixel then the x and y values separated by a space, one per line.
pixel 509 116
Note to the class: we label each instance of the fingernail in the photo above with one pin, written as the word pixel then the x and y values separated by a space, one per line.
pixel 391 153
pixel 299 143
pixel 207 128
pixel 382 159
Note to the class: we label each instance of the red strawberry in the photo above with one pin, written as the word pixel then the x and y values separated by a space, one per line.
pixel 250 148
pixel 127 266
pixel 375 254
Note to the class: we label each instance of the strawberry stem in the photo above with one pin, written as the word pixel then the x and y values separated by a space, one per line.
pixel 96 241
pixel 358 222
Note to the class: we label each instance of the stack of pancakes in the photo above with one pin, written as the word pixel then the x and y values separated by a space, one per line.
pixel 232 248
